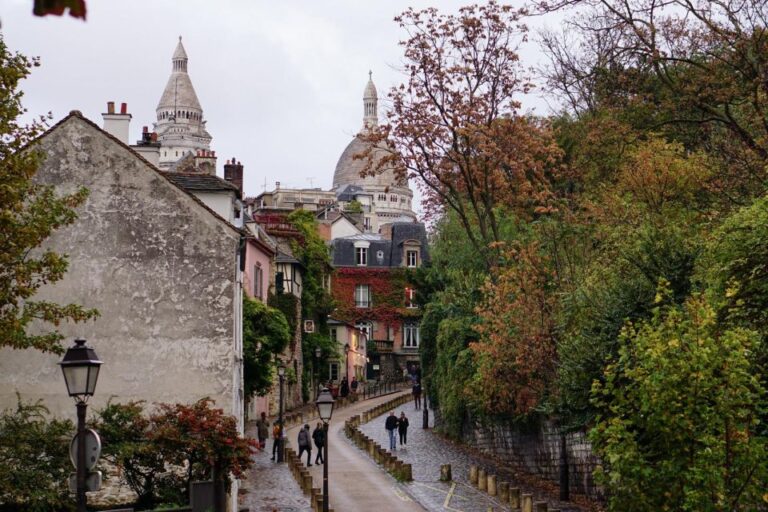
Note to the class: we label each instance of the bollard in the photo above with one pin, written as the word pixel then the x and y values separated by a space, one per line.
pixel 504 492
pixel 482 480
pixel 473 474
pixel 527 503
pixel 445 473
pixel 407 472
pixel 514 498
pixel 540 506
pixel 491 485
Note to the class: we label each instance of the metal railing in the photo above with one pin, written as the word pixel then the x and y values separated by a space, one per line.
pixel 374 389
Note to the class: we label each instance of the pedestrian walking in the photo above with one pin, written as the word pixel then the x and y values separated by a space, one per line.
pixel 305 444
pixel 402 428
pixel 417 394
pixel 318 435
pixel 262 430
pixel 277 434
pixel 354 385
pixel 344 388
pixel 391 426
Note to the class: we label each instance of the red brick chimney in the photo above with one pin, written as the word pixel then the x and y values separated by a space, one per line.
pixel 233 173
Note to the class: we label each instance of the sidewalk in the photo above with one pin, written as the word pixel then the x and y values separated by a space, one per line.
pixel 270 486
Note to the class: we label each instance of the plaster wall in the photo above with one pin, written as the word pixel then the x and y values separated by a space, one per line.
pixel 160 268
pixel 342 228
pixel 253 257
pixel 220 202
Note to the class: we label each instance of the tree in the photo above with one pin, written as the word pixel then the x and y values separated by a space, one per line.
pixel 29 213
pixel 455 126
pixel 679 413
pixel 515 353
pixel 695 67
pixel 265 335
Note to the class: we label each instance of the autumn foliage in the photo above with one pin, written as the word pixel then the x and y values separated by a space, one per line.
pixel 515 354
pixel 455 126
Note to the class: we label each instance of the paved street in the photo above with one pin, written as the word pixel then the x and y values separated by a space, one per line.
pixel 357 483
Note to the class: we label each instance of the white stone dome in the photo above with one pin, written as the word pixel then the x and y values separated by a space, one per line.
pixel 348 167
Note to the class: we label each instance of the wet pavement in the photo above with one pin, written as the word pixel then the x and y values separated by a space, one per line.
pixel 426 451
pixel 357 483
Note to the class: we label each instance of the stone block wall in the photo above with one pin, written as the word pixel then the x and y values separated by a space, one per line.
pixel 537 451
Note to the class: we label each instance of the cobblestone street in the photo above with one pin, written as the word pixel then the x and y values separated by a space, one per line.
pixel 426 451
pixel 270 486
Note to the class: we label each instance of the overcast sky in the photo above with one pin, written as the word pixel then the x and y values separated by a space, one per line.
pixel 280 82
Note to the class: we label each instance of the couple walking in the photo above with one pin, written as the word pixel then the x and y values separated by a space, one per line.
pixel 305 443
pixel 401 425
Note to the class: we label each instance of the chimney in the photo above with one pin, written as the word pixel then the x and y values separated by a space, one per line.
pixel 233 173
pixel 277 185
pixel 148 147
pixel 117 125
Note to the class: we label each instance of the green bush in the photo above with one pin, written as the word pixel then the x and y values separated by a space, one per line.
pixel 34 460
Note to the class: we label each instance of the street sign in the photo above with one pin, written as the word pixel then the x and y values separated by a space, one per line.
pixel 92 449
pixel 92 481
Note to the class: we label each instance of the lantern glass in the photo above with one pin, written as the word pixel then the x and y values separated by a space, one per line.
pixel 80 367
pixel 318 352
pixel 281 370
pixel 324 405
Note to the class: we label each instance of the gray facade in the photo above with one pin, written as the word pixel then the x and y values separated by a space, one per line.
pixel 159 266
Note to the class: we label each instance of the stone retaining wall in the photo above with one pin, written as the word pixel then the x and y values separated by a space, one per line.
pixel 538 452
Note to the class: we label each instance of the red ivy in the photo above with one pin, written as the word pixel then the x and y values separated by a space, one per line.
pixel 388 295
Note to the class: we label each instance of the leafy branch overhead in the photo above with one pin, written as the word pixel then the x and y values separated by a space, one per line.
pixel 29 213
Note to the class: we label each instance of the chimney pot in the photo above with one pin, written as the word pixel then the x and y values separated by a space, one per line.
pixel 144 129
pixel 154 136
pixel 110 107
pixel 123 108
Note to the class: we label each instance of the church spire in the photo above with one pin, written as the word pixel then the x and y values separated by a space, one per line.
pixel 180 58
pixel 370 100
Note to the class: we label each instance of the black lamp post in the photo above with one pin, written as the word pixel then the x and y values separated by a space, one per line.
pixel 80 367
pixel 281 375
pixel 346 353
pixel 318 353
pixel 324 405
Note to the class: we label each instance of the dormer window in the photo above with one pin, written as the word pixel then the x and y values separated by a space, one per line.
pixel 361 256
pixel 411 259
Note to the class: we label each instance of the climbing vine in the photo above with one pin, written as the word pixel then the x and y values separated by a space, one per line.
pixel 387 294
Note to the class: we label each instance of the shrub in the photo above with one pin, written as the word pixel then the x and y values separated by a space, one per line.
pixel 34 459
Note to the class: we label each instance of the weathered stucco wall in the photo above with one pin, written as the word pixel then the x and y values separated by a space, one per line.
pixel 157 264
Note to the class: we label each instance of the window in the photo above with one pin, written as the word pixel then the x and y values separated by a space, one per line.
pixel 361 255
pixel 334 371
pixel 332 333
pixel 362 296
pixel 367 224
pixel 393 199
pixel 258 281
pixel 411 259
pixel 367 328
pixel 411 336
pixel 410 298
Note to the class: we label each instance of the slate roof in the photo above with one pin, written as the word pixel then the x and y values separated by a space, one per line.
pixel 201 182
pixel 382 253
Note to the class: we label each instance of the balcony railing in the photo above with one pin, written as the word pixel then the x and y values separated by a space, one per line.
pixel 384 346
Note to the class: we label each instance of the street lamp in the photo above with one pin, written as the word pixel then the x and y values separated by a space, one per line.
pixel 80 367
pixel 324 405
pixel 281 375
pixel 318 353
pixel 346 353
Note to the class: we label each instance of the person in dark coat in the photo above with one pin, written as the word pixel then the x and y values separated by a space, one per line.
pixel 318 435
pixel 417 394
pixel 391 426
pixel 344 388
pixel 305 444
pixel 402 428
